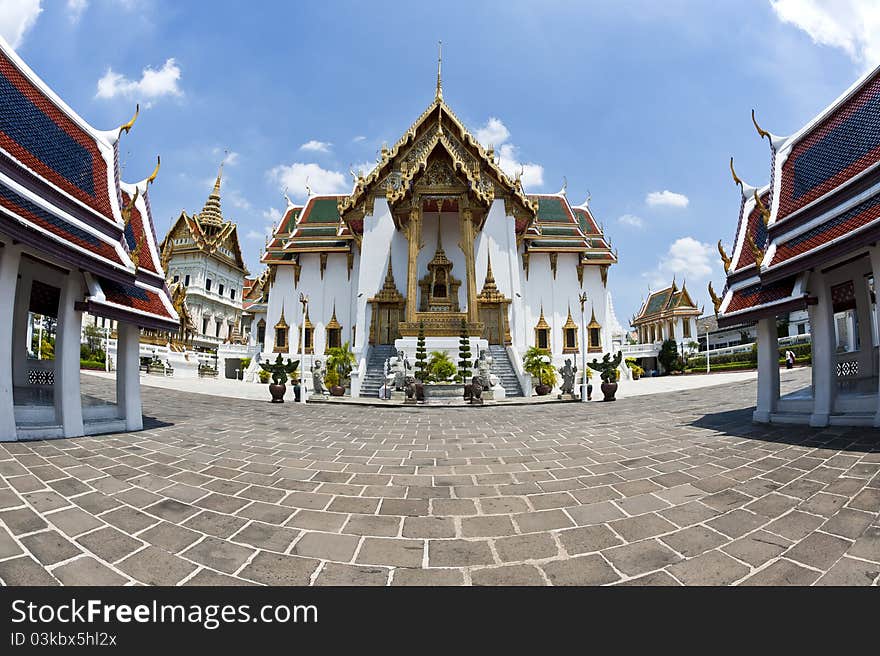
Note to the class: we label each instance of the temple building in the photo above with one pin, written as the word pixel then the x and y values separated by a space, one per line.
pixel 669 313
pixel 436 235
pixel 202 252
pixel 74 238
pixel 808 241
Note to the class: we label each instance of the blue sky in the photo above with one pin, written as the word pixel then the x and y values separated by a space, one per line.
pixel 639 103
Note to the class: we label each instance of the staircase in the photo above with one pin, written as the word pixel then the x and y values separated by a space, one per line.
pixel 502 368
pixel 375 374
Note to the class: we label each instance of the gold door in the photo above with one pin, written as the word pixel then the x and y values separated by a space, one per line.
pixel 491 320
pixel 388 319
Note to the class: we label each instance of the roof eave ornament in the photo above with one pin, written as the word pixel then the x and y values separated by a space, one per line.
pixel 774 140
pixel 127 126
pixel 155 172
pixel 715 300
pixel 725 258
pixel 765 213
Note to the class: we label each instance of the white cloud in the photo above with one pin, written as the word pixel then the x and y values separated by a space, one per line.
pixel 75 9
pixel 254 235
pixel 496 134
pixel 667 198
pixel 273 214
pixel 359 138
pixel 230 157
pixel 314 146
pixel 686 258
pixel 364 167
pixel 850 25
pixel 631 220
pixel 295 177
pixel 153 83
pixel 17 17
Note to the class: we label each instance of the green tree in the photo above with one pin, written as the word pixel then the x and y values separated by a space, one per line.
pixel 341 360
pixel 464 353
pixel 421 355
pixel 440 367
pixel 668 356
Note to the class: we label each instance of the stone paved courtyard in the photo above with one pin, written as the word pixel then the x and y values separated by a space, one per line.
pixel 664 489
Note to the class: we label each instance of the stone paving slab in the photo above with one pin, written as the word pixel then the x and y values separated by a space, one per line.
pixel 667 489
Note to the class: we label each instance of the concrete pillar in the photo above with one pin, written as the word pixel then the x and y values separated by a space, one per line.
pixel 824 361
pixel 68 402
pixel 128 382
pixel 768 370
pixel 10 257
pixel 875 266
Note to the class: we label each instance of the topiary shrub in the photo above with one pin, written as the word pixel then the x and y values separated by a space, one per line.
pixel 421 355
pixel 464 353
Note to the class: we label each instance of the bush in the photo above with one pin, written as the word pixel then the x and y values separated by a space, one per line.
pixel 535 365
pixel 669 357
pixel 331 379
pixel 92 365
pixel 245 363
pixel 440 367
pixel 264 376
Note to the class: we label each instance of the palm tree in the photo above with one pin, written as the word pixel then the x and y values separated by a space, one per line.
pixel 341 360
pixel 537 362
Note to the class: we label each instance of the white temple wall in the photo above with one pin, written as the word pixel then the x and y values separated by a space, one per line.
pixel 498 238
pixel 380 239
pixel 282 295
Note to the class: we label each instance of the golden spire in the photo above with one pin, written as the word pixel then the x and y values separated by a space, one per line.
pixel 439 95
pixel 736 178
pixel 211 213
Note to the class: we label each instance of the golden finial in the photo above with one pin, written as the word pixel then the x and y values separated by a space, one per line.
pixel 736 178
pixel 127 127
pixel 126 211
pixel 757 252
pixel 308 189
pixel 724 257
pixel 439 95
pixel 155 172
pixel 564 185
pixel 715 300
pixel 761 131
pixel 765 213
pixel 135 255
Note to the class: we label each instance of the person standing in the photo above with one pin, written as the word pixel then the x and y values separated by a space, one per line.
pixel 789 359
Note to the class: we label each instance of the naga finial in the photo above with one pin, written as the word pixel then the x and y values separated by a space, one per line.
pixel 126 211
pixel 757 252
pixel 127 127
pixel 736 178
pixel 724 257
pixel 155 172
pixel 715 300
pixel 760 130
pixel 765 213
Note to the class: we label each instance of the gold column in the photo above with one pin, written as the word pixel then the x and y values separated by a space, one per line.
pixel 414 236
pixel 467 247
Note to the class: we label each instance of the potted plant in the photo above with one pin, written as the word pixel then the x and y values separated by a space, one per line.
pixel 537 363
pixel 440 367
pixel 607 369
pixel 279 370
pixel 331 380
pixel 637 371
pixel 264 376
pixel 340 362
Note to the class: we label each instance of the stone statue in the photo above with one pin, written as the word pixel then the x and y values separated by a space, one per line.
pixel 483 367
pixel 568 377
pixel 473 392
pixel 414 390
pixel 318 378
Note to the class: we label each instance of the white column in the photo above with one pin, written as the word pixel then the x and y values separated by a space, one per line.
pixel 875 265
pixel 68 403
pixel 10 257
pixel 768 370
pixel 128 381
pixel 824 365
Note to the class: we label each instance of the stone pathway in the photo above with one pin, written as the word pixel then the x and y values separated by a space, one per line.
pixel 664 489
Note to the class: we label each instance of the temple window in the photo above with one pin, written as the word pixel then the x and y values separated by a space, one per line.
pixel 309 337
pixel 280 338
pixel 569 335
pixel 220 289
pixel 594 335
pixel 686 330
pixel 846 319
pixel 232 294
pixel 176 278
pixel 208 284
pixel 219 323
pixel 186 280
pixel 334 332
pixel 261 332
pixel 542 333
pixel 205 326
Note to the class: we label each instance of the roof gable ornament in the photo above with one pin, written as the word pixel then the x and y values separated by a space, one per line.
pixel 725 258
pixel 155 172
pixel 439 92
pixel 127 126
pixel 756 252
pixel 715 300
pixel 774 140
pixel 765 213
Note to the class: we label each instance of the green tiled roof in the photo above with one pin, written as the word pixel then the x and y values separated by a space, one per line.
pixel 323 210
pixel 551 211
pixel 657 302
pixel 311 231
pixel 559 230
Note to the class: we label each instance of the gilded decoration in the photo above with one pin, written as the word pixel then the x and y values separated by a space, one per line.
pixel 439 289
pixel 282 333
pixel 388 307
pixel 580 272
pixel 569 325
pixel 493 310
pixel 525 261
pixel 554 258
pixel 594 346
pixel 542 327
pixel 323 258
pixel 310 336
